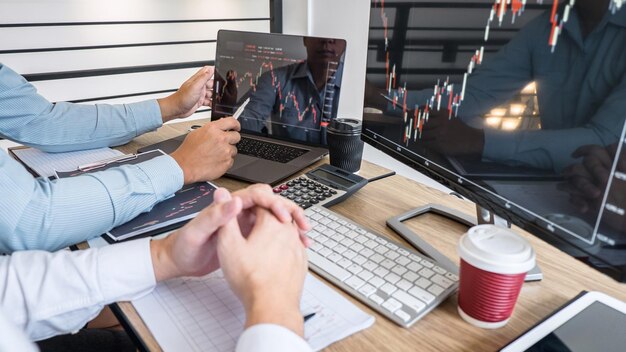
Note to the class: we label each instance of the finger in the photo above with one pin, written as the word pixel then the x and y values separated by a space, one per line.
pixel 284 209
pixel 202 75
pixel 233 137
pixel 584 150
pixel 230 241
pixel 597 169
pixel 587 187
pixel 216 215
pixel 226 124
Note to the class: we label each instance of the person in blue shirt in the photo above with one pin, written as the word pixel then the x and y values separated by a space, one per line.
pixel 581 91
pixel 296 101
pixel 49 215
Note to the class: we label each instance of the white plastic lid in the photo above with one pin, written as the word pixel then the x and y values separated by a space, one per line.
pixel 497 250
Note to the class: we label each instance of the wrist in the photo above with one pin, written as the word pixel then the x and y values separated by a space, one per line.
pixel 275 311
pixel 180 159
pixel 162 263
pixel 168 108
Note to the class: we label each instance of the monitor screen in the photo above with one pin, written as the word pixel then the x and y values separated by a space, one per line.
pixel 293 83
pixel 518 105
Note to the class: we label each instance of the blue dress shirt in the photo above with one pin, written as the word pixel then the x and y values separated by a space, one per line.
pixel 48 215
pixel 581 90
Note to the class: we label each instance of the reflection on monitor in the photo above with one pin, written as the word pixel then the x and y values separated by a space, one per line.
pixel 293 83
pixel 520 106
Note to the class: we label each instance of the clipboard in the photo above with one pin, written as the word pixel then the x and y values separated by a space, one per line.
pixel 126 159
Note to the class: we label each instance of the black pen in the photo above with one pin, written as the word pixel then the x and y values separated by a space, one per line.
pixel 308 316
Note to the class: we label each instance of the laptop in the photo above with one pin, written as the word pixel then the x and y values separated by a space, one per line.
pixel 293 85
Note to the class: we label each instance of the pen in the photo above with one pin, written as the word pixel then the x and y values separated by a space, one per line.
pixel 240 109
pixel 308 316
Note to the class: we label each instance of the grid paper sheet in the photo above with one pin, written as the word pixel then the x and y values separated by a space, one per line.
pixel 202 314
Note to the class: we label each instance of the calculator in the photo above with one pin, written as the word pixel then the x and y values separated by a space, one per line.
pixel 325 185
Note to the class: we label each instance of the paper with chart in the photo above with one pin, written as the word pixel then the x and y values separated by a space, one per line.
pixel 45 164
pixel 202 314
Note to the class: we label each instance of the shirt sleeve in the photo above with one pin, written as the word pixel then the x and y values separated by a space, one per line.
pixel 47 294
pixel 271 338
pixel 28 118
pixel 49 215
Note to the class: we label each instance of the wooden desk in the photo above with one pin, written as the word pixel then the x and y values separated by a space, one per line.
pixel 442 329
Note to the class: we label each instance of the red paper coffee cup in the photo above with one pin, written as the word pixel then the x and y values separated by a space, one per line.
pixel 494 263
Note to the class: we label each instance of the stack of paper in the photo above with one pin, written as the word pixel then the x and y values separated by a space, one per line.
pixel 45 164
pixel 203 314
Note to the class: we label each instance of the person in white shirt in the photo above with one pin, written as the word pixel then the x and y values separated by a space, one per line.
pixel 256 237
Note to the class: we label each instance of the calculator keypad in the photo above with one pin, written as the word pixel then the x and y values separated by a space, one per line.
pixel 305 192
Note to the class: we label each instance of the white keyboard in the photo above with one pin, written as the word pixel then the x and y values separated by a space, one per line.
pixel 395 281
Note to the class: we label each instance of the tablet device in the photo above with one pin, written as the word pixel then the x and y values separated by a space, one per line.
pixel 592 321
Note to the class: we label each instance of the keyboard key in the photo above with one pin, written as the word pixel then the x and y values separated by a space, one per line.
pixel 312 234
pixel 414 267
pixel 366 275
pixel 427 273
pixel 381 240
pixel 452 277
pixel 355 269
pixel 410 276
pixel 387 264
pixel 380 271
pixel 357 247
pixel 316 217
pixel 402 315
pixel 376 281
pixel 399 270
pixel 392 278
pixel 361 239
pixel 366 252
pixel 349 254
pixel 359 259
pixel 354 282
pixel 392 305
pixel 371 244
pixel 321 239
pixel 421 294
pixel 403 252
pixel 435 289
pixel 422 282
pixel 371 236
pixel 427 264
pixel 439 270
pixel 381 249
pixel 388 288
pixel 392 255
pixel 409 301
pixel 344 263
pixel 415 257
pixel 404 285
pixel 340 249
pixel 325 252
pixel 352 234
pixel 333 225
pixel 315 247
pixel 338 237
pixel 377 258
pixel 391 246
pixel 347 242
pixel 342 230
pixel 441 281
pixel 325 221
pixel 328 266
pixel 367 289
pixel 332 217
pixel 376 299
pixel 330 244
pixel 403 260
pixel 334 257
pixel 370 265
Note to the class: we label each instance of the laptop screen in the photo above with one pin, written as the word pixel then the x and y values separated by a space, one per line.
pixel 293 83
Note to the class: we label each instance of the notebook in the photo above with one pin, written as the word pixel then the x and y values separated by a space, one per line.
pixel 283 128
pixel 203 314
pixel 164 216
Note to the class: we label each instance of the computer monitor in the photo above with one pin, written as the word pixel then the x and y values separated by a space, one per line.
pixel 517 105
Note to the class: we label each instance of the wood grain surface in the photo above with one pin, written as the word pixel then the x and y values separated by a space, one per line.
pixel 442 329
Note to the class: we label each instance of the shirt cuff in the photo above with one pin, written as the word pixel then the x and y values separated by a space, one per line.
pixel 147 115
pixel 271 338
pixel 164 183
pixel 499 145
pixel 125 270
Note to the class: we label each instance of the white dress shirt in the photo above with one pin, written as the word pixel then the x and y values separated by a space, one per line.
pixel 47 294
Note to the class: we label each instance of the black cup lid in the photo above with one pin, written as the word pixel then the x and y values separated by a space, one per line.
pixel 345 126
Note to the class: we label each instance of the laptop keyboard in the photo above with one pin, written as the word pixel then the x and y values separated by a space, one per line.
pixel 268 150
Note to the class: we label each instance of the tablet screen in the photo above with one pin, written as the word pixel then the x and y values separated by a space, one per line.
pixel 596 328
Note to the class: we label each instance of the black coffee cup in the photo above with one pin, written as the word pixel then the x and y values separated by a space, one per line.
pixel 344 144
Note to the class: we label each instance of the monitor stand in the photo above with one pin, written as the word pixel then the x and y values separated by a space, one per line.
pixel 483 217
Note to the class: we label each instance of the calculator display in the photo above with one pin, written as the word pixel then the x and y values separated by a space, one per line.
pixel 332 177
